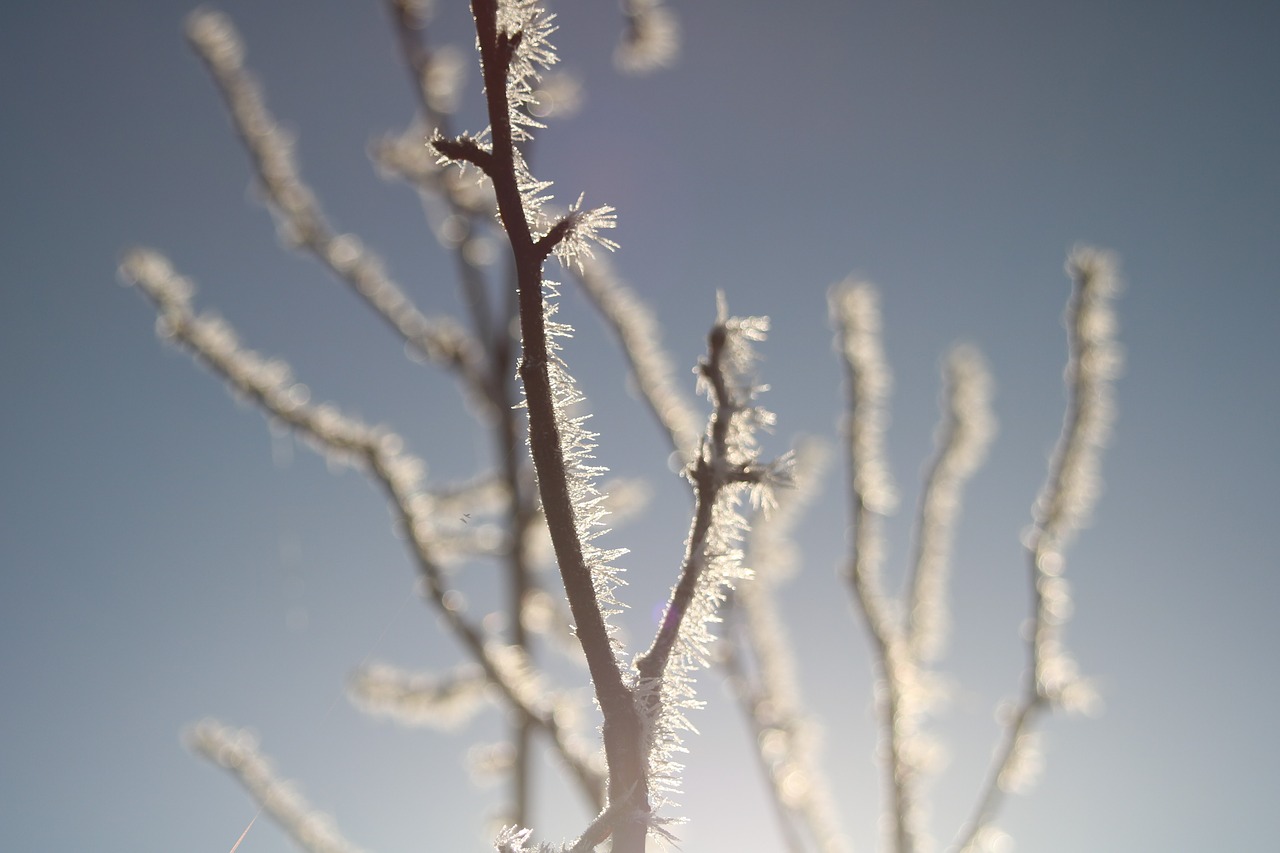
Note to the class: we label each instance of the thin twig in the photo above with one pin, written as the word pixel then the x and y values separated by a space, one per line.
pixel 761 666
pixel 269 385
pixel 710 473
pixel 236 751
pixel 1068 496
pixel 639 338
pixel 727 466
pixel 961 439
pixel 857 320
pixel 299 213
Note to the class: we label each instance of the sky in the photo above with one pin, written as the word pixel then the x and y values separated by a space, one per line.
pixel 165 557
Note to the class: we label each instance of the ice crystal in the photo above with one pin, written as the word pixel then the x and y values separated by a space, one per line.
pixel 534 53
pixel 582 231
pixel 512 839
pixel 527 26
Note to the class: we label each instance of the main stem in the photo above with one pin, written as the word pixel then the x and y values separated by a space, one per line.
pixel 623 740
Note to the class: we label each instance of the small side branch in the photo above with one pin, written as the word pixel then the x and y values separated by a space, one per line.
pixel 726 468
pixel 464 149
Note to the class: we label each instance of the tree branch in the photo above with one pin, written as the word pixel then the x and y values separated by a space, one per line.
pixel 269 385
pixel 298 212
pixel 1064 503
pixel 622 730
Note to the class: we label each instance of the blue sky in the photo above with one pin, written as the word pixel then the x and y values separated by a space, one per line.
pixel 160 548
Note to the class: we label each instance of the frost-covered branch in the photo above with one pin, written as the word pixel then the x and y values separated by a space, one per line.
pixel 726 469
pixel 418 700
pixel 855 313
pixel 962 439
pixel 760 662
pixel 300 218
pixel 512 40
pixel 435 76
pixel 1064 505
pixel 639 336
pixel 471 184
pixel 903 693
pixel 269 385
pixel 236 751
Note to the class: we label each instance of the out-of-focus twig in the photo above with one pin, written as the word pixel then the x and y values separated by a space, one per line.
pixel 1063 506
pixel 236 751
pixel 760 662
pixel 270 386
pixel 299 215
pixel 639 337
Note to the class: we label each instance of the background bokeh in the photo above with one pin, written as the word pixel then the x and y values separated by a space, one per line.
pixel 163 557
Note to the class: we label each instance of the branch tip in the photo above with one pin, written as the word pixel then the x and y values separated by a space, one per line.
pixel 463 149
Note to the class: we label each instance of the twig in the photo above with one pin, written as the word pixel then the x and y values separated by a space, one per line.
pixel 638 335
pixel 712 471
pixel 760 663
pixel 962 439
pixel 1068 496
pixel 270 386
pixel 856 316
pixel 237 752
pixel 299 214
pixel 727 466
